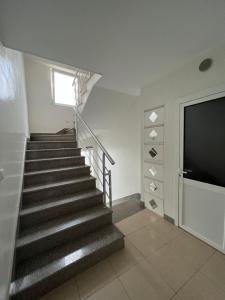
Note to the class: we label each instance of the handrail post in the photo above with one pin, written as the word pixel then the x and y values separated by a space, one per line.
pixel 110 188
pixel 76 125
pixel 104 178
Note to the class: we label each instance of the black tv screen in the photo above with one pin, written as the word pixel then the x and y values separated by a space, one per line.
pixel 204 142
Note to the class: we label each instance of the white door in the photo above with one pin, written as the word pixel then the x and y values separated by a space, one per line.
pixel 202 169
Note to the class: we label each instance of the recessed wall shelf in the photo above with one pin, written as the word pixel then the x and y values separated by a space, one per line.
pixel 153 159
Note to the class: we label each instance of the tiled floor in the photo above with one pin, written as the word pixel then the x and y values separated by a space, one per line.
pixel 126 207
pixel 159 261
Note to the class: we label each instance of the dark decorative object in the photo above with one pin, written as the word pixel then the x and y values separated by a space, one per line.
pixel 205 64
pixel 153 152
pixel 153 204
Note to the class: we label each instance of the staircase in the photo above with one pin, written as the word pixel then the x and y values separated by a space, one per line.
pixel 64 227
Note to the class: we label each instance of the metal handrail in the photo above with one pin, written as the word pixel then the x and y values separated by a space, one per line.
pixel 110 159
pixel 105 173
pixel 80 84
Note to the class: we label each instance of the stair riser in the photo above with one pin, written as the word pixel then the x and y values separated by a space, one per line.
pixel 55 212
pixel 31 166
pixel 52 153
pixel 53 138
pixel 51 177
pixel 50 145
pixel 65 274
pixel 62 237
pixel 56 191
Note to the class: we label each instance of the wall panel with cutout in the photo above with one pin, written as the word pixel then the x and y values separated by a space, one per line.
pixel 153 164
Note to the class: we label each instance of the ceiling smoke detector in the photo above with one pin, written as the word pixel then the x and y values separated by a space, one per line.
pixel 205 65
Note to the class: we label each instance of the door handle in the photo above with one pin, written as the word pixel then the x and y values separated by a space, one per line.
pixel 183 172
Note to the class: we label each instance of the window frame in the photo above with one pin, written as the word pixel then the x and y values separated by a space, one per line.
pixel 53 70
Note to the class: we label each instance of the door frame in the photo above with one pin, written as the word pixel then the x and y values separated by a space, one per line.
pixel 187 101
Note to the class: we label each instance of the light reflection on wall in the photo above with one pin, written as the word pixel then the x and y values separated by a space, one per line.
pixel 7 77
pixel 13 133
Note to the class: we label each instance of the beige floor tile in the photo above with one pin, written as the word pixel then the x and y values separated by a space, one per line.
pixel 125 259
pixel 95 278
pixel 174 268
pixel 127 227
pixel 143 282
pixel 164 227
pixel 214 269
pixel 148 216
pixel 147 240
pixel 192 249
pixel 201 288
pixel 167 231
pixel 67 291
pixel 134 222
pixel 112 291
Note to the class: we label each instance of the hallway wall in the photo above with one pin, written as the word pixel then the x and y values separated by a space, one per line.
pixel 44 115
pixel 115 119
pixel 170 91
pixel 13 134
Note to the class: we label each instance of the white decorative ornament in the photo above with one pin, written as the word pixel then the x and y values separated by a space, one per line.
pixel 153 117
pixel 153 134
pixel 153 171
pixel 153 186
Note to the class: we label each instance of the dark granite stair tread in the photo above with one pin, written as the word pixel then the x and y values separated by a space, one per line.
pixel 52 142
pixel 56 184
pixel 50 200
pixel 60 201
pixel 41 172
pixel 48 263
pixel 47 134
pixel 42 133
pixel 63 223
pixel 52 158
pixel 53 149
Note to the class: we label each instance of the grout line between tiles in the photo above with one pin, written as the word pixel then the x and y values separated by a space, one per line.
pixel 78 291
pixel 202 273
pixel 124 288
pixel 195 273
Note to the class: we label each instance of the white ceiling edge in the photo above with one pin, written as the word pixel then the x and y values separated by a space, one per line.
pixel 71 69
pixel 56 65
pixel 135 92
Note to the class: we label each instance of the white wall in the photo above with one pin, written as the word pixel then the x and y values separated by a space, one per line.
pixel 44 116
pixel 115 119
pixel 13 132
pixel 185 82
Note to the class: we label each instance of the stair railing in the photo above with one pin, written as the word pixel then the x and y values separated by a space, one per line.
pixel 96 156
pixel 80 83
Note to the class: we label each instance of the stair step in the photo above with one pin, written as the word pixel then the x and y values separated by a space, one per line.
pixel 54 175
pixel 47 271
pixel 59 189
pixel 51 153
pixel 51 234
pixel 53 163
pixel 48 211
pixel 52 137
pixel 31 145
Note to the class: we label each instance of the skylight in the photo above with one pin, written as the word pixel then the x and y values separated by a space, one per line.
pixel 63 91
